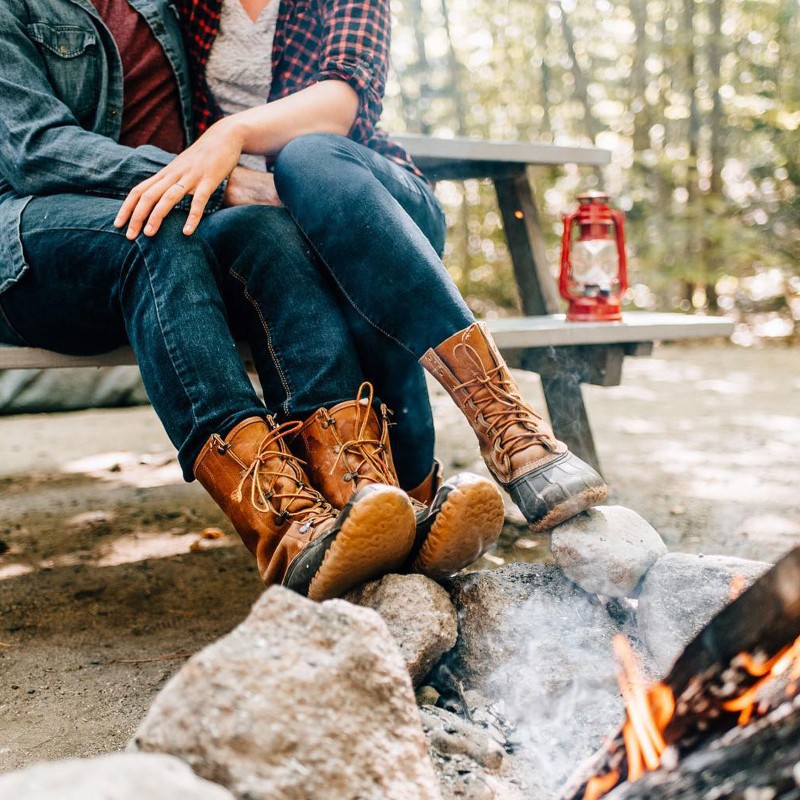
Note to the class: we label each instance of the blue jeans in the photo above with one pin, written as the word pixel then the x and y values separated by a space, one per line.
pixel 378 232
pixel 88 290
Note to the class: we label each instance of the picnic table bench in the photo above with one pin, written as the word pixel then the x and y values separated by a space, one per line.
pixel 565 354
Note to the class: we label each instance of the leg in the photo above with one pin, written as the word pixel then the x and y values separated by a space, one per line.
pixel 389 272
pixel 286 309
pixel 372 246
pixel 88 290
pixel 411 211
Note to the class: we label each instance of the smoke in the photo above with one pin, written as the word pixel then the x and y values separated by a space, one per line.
pixel 559 688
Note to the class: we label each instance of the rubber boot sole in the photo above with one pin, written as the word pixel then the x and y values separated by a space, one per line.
pixel 374 540
pixel 467 525
pixel 592 496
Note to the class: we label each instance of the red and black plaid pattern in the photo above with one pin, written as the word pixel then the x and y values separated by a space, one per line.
pixel 315 40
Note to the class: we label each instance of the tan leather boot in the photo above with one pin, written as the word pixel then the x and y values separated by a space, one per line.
pixel 546 481
pixel 347 446
pixel 298 539
pixel 458 520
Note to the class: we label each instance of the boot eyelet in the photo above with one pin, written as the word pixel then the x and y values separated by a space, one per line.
pixel 337 449
pixel 347 477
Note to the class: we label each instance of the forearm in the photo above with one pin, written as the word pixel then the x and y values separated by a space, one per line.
pixel 326 107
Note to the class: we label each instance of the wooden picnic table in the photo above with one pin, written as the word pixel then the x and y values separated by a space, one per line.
pixel 565 354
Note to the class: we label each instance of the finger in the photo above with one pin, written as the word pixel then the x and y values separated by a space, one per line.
pixel 146 203
pixel 132 199
pixel 171 197
pixel 200 199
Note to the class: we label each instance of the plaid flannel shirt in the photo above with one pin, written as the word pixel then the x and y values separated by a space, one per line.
pixel 315 40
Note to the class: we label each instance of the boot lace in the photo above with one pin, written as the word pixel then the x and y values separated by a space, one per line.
pixel 275 465
pixel 369 453
pixel 500 407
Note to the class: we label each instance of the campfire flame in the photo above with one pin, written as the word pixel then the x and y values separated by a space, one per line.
pixel 785 660
pixel 650 708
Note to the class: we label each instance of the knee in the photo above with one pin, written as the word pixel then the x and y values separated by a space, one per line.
pixel 174 255
pixel 315 155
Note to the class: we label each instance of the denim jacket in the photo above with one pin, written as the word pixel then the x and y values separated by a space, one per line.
pixel 61 109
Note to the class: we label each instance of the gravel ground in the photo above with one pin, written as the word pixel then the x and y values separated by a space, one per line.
pixel 107 585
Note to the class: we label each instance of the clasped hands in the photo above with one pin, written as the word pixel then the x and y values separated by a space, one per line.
pixel 196 172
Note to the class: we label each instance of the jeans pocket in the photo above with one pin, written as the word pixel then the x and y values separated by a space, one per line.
pixel 71 55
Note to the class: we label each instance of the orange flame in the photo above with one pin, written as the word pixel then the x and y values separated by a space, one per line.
pixel 650 708
pixel 787 659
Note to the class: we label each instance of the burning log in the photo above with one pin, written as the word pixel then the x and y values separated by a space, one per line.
pixel 759 761
pixel 745 662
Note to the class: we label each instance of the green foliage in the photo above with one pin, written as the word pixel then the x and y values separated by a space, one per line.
pixel 699 100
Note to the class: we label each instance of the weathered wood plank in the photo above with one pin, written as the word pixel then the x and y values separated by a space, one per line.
pixel 430 151
pixel 519 333
pixel 636 326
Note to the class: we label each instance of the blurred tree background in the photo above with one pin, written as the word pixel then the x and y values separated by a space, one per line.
pixel 699 100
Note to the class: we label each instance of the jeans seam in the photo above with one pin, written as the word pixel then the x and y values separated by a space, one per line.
pixel 344 291
pixel 195 424
pixel 270 345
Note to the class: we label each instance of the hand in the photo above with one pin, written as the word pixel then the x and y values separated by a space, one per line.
pixel 249 187
pixel 197 171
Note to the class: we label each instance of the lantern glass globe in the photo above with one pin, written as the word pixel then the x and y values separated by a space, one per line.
pixel 595 266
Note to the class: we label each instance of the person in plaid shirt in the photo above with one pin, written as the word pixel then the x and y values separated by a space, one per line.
pixel 376 230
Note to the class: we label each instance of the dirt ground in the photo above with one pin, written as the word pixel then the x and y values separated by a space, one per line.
pixel 106 584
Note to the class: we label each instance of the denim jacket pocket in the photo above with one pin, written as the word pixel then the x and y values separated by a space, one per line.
pixel 71 55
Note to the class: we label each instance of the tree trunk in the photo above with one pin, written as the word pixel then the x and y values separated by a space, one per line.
pixel 714 64
pixel 581 85
pixel 641 110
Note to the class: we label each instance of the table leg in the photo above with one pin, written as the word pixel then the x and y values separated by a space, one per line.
pixel 564 398
pixel 537 288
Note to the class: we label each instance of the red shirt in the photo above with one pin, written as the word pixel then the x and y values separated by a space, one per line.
pixel 315 40
pixel 151 112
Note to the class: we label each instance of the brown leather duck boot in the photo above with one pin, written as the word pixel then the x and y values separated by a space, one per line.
pixel 298 539
pixel 546 481
pixel 458 520
pixel 347 447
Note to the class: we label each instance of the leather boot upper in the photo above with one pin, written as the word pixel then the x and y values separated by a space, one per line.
pixel 426 491
pixel 262 488
pixel 347 447
pixel 513 438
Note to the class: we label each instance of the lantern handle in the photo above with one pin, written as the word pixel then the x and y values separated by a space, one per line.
pixel 566 241
pixel 618 217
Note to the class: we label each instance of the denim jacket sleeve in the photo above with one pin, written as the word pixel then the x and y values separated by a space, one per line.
pixel 43 148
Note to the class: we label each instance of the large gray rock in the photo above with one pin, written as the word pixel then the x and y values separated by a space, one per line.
pixel 301 700
pixel 419 615
pixel 122 776
pixel 681 594
pixel 533 641
pixel 607 550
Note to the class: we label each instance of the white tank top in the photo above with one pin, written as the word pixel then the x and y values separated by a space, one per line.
pixel 239 67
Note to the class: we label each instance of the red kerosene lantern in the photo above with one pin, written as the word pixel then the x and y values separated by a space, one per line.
pixel 594 274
